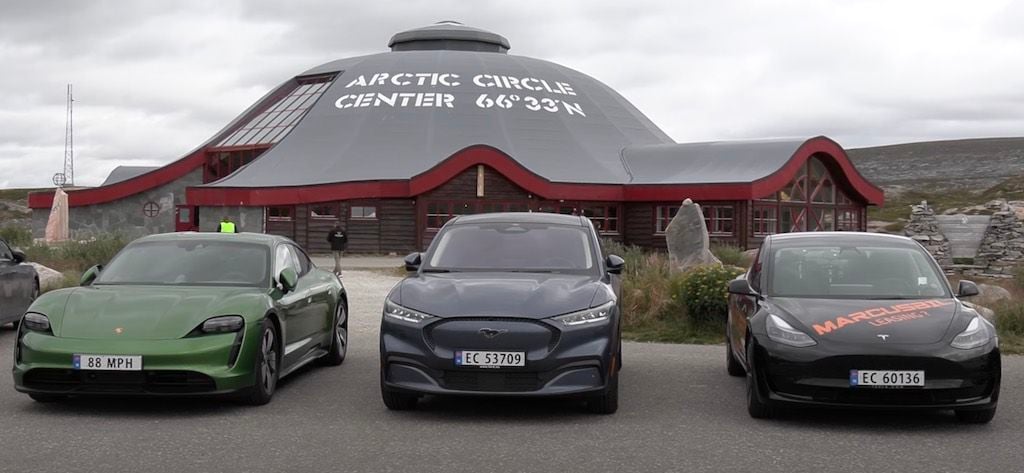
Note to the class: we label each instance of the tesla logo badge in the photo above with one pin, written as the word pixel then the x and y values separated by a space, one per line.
pixel 883 336
pixel 491 332
pixel 119 330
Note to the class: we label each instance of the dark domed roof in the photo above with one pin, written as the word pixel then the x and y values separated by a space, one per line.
pixel 394 115
pixel 450 35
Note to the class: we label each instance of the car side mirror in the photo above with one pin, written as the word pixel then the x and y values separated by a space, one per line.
pixel 741 287
pixel 288 279
pixel 967 289
pixel 614 264
pixel 19 256
pixel 413 261
pixel 90 275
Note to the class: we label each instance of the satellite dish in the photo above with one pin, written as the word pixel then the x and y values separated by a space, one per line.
pixel 60 179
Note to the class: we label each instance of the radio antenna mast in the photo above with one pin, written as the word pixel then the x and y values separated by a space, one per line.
pixel 67 176
pixel 69 141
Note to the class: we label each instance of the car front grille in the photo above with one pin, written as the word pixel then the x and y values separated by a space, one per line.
pixel 119 382
pixel 491 382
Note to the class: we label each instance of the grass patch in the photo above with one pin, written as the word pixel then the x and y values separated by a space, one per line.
pixel 675 331
pixel 16 236
pixel 76 255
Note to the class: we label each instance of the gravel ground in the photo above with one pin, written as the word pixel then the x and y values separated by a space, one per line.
pixel 679 412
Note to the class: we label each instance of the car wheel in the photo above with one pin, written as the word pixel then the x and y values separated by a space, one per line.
pixel 397 401
pixel 339 339
pixel 607 402
pixel 46 398
pixel 266 367
pixel 756 407
pixel 976 416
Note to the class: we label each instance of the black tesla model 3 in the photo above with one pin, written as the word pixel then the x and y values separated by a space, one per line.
pixel 858 320
pixel 505 304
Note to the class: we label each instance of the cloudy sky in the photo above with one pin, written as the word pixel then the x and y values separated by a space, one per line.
pixel 153 79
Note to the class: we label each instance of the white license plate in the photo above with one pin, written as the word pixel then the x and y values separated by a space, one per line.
pixel 107 362
pixel 490 359
pixel 886 378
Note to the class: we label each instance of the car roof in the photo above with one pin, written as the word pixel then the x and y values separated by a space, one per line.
pixel 520 217
pixel 259 238
pixel 837 237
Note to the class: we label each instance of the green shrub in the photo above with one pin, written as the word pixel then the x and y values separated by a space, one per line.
pixel 729 255
pixel 19 237
pixel 703 291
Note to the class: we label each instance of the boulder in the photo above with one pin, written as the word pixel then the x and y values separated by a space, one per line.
pixel 48 278
pixel 687 238
pixel 990 294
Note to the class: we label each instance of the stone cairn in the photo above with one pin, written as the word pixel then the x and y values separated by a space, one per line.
pixel 924 228
pixel 1002 250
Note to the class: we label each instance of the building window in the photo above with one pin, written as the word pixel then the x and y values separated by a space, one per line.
pixel 363 211
pixel 324 211
pixel 273 123
pixel 280 214
pixel 663 215
pixel 848 220
pixel 604 217
pixel 719 219
pixel 440 212
pixel 765 220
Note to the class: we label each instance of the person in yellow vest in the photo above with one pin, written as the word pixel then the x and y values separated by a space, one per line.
pixel 226 225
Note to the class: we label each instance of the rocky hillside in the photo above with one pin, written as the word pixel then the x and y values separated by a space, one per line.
pixel 14 208
pixel 953 176
pixel 976 164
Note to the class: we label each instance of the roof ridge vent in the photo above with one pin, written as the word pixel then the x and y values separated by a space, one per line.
pixel 449 35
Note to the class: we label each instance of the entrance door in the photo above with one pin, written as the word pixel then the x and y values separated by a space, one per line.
pixel 186 218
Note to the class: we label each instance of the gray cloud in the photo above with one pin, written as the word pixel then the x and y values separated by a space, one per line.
pixel 154 79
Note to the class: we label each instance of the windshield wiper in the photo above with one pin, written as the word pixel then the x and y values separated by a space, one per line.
pixel 436 270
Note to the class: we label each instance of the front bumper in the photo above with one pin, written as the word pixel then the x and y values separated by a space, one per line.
pixel 820 376
pixel 187 366
pixel 559 362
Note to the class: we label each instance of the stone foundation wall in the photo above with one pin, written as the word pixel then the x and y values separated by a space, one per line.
pixel 1002 250
pixel 124 216
pixel 924 228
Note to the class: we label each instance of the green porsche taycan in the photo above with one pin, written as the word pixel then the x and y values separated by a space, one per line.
pixel 184 314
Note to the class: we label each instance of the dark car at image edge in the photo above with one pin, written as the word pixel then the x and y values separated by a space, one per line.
pixel 837 319
pixel 505 304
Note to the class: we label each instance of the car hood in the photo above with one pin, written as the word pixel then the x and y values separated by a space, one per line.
pixel 863 321
pixel 533 295
pixel 147 312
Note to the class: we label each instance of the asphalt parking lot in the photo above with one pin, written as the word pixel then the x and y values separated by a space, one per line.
pixel 679 412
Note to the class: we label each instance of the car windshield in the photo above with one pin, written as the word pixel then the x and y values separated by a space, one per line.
pixel 528 247
pixel 189 263
pixel 858 271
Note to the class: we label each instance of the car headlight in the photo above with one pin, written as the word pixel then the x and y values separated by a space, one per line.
pixel 780 331
pixel 36 322
pixel 592 315
pixel 397 312
pixel 223 324
pixel 975 335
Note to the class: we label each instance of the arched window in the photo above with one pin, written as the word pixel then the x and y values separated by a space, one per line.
pixel 810 202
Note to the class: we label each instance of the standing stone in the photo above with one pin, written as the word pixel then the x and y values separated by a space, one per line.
pixel 687 238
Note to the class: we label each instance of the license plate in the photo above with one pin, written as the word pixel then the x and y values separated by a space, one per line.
pixel 490 359
pixel 886 378
pixel 107 362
